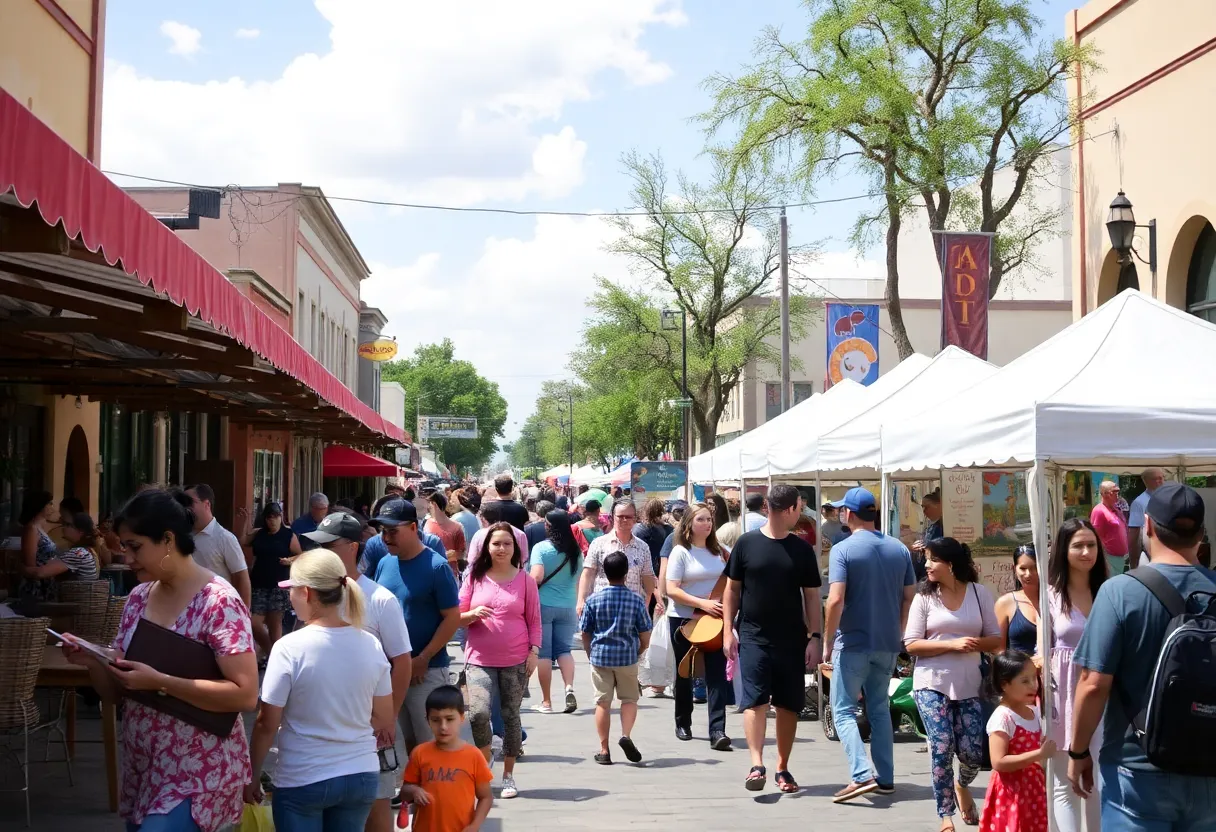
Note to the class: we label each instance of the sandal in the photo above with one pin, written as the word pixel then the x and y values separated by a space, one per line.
pixel 756 779
pixel 603 759
pixel 969 814
pixel 786 782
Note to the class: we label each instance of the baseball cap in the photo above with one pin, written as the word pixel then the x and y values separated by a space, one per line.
pixel 396 512
pixel 856 499
pixel 1177 507
pixel 273 510
pixel 337 526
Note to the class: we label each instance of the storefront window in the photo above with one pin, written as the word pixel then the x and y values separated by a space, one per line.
pixel 1201 277
pixel 267 479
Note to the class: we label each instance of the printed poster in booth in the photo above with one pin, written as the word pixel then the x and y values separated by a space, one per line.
pixel 990 512
pixel 852 350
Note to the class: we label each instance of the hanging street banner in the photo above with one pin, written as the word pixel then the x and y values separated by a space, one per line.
pixel 852 343
pixel 447 427
pixel 382 349
pixel 650 479
pixel 966 259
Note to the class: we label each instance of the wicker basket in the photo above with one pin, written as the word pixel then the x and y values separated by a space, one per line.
pixel 94 600
pixel 109 632
pixel 21 645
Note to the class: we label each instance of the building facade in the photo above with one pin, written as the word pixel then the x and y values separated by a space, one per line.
pixel 371 325
pixel 1143 131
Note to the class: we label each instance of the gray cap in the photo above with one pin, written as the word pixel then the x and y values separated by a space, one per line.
pixel 337 526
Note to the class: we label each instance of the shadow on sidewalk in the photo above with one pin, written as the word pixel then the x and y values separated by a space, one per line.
pixel 563 795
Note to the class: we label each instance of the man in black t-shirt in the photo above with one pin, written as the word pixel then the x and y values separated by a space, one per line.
pixel 773 586
pixel 508 509
pixel 538 532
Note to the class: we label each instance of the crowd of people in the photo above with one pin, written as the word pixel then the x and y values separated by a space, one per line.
pixel 365 709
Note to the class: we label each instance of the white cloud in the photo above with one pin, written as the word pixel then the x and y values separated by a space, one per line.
pixel 411 102
pixel 248 34
pixel 183 40
pixel 517 312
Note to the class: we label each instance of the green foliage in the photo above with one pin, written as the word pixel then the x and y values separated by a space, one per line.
pixel 928 98
pixel 438 384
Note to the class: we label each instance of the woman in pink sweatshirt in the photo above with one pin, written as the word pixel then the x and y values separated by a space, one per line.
pixel 500 606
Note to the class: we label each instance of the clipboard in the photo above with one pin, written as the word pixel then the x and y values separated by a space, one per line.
pixel 176 655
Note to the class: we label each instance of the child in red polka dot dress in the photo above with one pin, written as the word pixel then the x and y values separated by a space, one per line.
pixel 1017 793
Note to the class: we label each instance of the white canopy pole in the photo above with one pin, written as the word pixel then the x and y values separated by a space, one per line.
pixel 819 513
pixel 1038 494
pixel 885 503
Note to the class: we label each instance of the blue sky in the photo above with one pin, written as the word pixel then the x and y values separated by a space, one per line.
pixel 524 105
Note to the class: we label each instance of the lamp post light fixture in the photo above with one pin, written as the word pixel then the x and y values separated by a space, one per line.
pixel 1121 226
pixel 667 320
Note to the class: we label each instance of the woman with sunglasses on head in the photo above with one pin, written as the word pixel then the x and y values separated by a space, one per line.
pixel 176 777
pixel 951 622
pixel 1076 569
pixel 328 696
pixel 1017 612
pixel 500 605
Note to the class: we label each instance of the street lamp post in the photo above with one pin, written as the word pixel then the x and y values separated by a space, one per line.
pixel 1121 226
pixel 667 320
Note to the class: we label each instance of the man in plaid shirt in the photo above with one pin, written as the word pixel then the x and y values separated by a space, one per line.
pixel 615 627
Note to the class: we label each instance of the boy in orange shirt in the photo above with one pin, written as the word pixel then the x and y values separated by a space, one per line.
pixel 448 780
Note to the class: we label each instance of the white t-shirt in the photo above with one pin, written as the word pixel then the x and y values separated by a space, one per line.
pixel 385 619
pixel 697 571
pixel 324 679
pixel 217 549
pixel 1005 720
pixel 752 521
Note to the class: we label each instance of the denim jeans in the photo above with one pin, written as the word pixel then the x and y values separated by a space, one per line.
pixel 177 820
pixel 1157 801
pixel 855 672
pixel 339 804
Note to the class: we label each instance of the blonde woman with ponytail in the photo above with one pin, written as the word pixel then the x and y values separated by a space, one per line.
pixel 327 693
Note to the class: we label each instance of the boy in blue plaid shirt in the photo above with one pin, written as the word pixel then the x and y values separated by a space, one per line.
pixel 615 628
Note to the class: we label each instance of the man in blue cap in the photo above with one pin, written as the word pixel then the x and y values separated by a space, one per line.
pixel 872 583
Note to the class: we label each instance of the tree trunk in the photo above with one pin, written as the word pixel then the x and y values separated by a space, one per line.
pixel 899 332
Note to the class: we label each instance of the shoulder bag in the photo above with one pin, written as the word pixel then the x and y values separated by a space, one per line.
pixel 703 631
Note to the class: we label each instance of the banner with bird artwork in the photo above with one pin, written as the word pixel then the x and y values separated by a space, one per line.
pixel 852 342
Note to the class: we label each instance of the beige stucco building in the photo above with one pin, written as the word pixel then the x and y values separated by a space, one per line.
pixel 1146 128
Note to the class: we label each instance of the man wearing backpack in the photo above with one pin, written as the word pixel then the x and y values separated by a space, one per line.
pixel 1119 654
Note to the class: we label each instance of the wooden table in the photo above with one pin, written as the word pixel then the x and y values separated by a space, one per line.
pixel 58 672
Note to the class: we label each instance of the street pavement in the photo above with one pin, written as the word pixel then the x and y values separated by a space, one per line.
pixel 687 786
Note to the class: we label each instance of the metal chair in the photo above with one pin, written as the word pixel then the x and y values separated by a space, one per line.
pixel 22 641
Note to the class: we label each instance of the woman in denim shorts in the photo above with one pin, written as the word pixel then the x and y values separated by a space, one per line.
pixel 555 565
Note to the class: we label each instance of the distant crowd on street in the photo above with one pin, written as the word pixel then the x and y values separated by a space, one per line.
pixel 359 714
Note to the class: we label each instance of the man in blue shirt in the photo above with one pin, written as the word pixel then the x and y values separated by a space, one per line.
pixel 1153 478
pixel 424 585
pixel 375 549
pixel 872 583
pixel 1123 637
pixel 306 523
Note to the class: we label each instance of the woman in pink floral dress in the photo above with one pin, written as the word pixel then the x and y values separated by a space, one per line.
pixel 175 777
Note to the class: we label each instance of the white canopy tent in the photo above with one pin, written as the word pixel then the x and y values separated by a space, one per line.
pixel 854 450
pixel 726 462
pixel 590 475
pixel 1123 388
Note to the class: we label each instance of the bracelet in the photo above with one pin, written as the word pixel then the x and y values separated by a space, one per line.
pixel 817 636
pixel 1078 755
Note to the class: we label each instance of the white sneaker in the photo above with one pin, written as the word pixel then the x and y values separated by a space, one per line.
pixel 509 790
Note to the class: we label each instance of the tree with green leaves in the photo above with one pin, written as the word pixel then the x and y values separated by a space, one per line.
pixel 933 100
pixel 436 383
pixel 710 250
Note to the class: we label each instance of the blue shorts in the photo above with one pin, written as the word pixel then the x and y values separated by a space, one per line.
pixel 557 626
pixel 773 674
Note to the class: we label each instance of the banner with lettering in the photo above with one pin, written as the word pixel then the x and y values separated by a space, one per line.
pixel 852 342
pixel 966 259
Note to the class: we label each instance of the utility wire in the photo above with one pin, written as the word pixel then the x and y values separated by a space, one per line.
pixel 517 212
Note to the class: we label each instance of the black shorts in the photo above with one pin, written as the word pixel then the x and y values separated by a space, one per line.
pixel 773 673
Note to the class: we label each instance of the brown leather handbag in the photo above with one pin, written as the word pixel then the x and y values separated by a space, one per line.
pixel 704 632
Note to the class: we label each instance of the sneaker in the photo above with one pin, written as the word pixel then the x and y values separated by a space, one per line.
pixel 544 708
pixel 854 790
pixel 571 702
pixel 883 788
pixel 509 789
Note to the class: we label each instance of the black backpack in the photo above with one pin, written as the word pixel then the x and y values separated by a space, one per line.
pixel 1180 716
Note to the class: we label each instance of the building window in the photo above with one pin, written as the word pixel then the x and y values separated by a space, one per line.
pixel 1201 276
pixel 772 400
pixel 312 331
pixel 298 314
pixel 802 391
pixel 267 479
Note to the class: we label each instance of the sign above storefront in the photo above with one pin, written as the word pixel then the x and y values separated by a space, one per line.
pixel 382 349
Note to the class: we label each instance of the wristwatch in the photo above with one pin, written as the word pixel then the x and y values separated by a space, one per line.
pixel 817 636
pixel 1078 755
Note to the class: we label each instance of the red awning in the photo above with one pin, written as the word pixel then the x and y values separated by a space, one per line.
pixel 340 461
pixel 41 168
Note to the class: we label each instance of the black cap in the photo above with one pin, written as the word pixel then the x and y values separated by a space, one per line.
pixel 1176 507
pixel 337 526
pixel 272 509
pixel 396 512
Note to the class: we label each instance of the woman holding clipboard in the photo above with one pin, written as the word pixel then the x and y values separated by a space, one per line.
pixel 176 777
